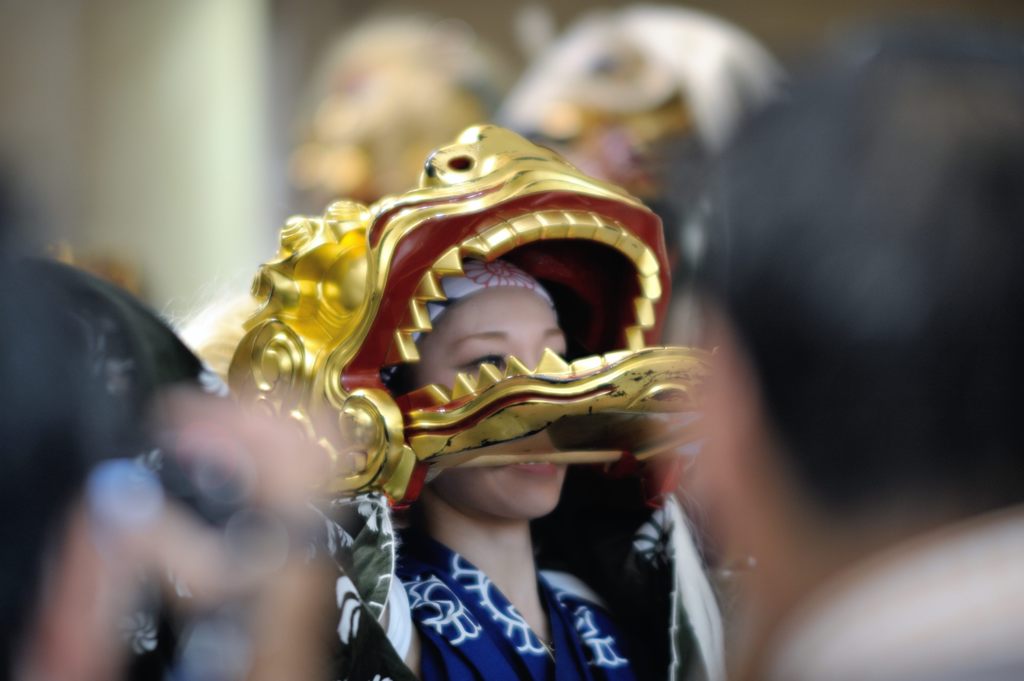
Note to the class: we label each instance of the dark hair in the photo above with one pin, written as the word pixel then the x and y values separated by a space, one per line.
pixel 42 463
pixel 870 257
pixel 79 362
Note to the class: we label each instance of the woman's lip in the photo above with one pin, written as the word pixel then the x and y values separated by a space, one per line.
pixel 539 469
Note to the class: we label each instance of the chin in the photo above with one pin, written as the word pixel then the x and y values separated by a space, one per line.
pixel 530 491
pixel 520 492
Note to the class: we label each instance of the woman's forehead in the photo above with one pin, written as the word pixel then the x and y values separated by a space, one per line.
pixel 504 310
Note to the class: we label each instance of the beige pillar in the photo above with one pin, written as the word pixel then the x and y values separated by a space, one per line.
pixel 174 148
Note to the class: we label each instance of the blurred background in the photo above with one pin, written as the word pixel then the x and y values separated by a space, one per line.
pixel 164 143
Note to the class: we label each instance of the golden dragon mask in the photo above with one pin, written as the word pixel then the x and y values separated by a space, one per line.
pixel 347 295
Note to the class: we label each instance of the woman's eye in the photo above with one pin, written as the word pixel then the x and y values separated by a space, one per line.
pixel 497 360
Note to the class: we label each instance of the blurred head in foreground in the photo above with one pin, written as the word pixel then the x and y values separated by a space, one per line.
pixel 43 433
pixel 80 362
pixel 869 286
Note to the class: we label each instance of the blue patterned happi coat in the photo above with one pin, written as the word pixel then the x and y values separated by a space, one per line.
pixel 469 630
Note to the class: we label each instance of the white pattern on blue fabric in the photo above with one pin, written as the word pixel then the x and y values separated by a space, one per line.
pixel 451 619
pixel 602 648
pixel 516 629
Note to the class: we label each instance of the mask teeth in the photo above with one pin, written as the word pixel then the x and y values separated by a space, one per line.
pixel 650 286
pixel 464 385
pixel 635 337
pixel 643 313
pixel 449 264
pixel 644 308
pixel 646 263
pixel 588 365
pixel 488 376
pixel 515 367
pixel 477 247
pixel 430 289
pixel 403 348
pixel 495 240
pixel 616 356
pixel 417 319
pixel 551 363
pixel 436 394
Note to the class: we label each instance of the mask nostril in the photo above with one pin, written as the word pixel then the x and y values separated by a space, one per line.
pixel 460 163
pixel 429 168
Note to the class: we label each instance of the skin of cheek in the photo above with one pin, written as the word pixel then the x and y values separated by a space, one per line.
pixel 505 493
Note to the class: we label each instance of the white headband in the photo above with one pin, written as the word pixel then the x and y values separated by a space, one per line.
pixel 480 275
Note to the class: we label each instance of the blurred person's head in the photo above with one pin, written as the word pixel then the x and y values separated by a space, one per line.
pixel 645 97
pixel 80 362
pixel 870 287
pixel 386 93
pixel 42 434
pixel 621 83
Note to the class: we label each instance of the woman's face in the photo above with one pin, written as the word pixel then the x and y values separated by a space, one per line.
pixel 488 326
